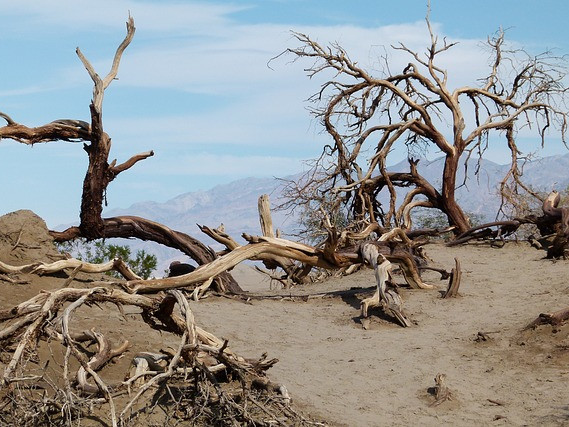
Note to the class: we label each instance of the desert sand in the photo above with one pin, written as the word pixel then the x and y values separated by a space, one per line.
pixel 345 375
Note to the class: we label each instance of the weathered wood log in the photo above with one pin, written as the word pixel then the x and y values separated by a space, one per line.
pixel 440 391
pixel 556 318
pixel 389 299
pixel 223 263
pixel 41 268
pixel 555 220
pixel 485 231
pixel 261 247
pixel 454 281
pixel 144 229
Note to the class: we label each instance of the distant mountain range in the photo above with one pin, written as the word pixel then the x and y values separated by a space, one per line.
pixel 235 204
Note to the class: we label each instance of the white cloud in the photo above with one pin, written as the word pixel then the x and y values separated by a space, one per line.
pixel 234 58
pixel 199 48
pixel 23 91
pixel 162 17
pixel 263 121
pixel 261 107
pixel 231 165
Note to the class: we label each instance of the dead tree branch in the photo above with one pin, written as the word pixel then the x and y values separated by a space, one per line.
pixel 100 173
pixel 554 221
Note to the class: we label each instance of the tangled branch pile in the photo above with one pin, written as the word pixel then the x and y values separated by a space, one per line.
pixel 202 381
pixel 65 361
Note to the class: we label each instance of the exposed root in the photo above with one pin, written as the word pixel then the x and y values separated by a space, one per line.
pixel 557 318
pixel 201 382
pixel 440 391
pixel 454 281
pixel 388 299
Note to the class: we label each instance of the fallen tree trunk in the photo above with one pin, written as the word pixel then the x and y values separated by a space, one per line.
pixel 77 265
pixel 144 229
pixel 251 251
pixel 261 247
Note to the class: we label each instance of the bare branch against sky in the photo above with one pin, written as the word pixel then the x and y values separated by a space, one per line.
pixel 195 86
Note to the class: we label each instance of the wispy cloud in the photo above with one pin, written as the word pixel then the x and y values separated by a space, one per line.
pixel 228 165
pixel 165 18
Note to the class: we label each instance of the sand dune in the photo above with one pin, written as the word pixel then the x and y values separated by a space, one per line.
pixel 340 372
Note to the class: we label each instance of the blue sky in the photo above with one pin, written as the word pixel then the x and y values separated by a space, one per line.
pixel 194 85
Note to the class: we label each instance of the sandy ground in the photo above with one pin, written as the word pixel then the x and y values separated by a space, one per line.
pixel 349 376
pixel 381 376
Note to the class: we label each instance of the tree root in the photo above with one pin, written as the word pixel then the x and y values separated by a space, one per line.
pixel 202 380
pixel 440 391
pixel 389 299
pixel 454 280
pixel 555 319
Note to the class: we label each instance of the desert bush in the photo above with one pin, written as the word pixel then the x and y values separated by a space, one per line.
pixel 434 218
pixel 310 224
pixel 142 263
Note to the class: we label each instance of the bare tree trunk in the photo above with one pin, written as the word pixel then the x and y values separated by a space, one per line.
pixel 450 207
pixel 97 178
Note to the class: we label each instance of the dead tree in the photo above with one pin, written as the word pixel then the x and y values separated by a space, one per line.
pixel 367 113
pixel 340 250
pixel 100 173
pixel 553 225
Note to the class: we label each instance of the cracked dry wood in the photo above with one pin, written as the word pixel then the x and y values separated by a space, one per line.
pixel 388 299
pixel 40 268
pixel 454 281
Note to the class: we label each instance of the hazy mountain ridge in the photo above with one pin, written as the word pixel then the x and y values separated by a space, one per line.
pixel 235 204
pixel 479 194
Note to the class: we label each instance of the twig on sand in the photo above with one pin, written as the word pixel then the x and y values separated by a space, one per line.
pixel 440 391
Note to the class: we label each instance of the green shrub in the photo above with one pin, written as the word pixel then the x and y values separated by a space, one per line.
pixel 100 252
